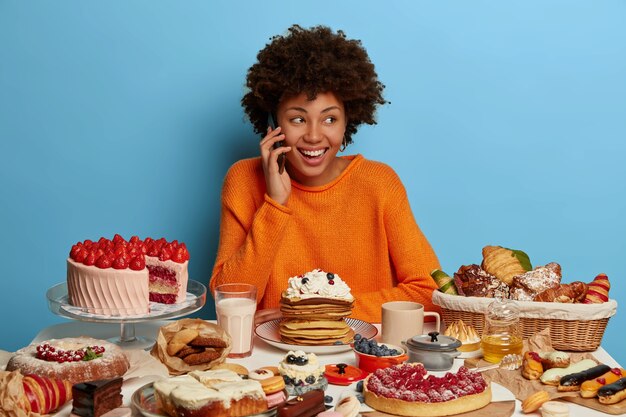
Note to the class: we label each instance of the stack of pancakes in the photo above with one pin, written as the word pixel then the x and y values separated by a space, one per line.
pixel 312 315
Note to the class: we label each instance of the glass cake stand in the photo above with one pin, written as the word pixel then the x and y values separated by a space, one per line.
pixel 58 302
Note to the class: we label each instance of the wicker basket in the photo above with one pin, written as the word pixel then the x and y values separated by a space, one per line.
pixel 573 327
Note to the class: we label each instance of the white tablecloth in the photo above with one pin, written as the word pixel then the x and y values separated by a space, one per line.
pixel 264 355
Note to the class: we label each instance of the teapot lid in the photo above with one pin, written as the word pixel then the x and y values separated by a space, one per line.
pixel 433 341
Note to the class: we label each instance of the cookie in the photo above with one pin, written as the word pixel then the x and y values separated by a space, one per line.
pixel 180 339
pixel 534 401
pixel 188 350
pixel 260 374
pixel 203 357
pixel 207 341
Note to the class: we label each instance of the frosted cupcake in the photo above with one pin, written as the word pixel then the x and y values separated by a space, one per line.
pixel 302 372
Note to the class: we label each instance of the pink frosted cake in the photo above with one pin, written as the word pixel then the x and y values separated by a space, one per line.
pixel 118 277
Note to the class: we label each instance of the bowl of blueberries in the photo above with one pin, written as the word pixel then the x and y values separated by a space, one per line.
pixel 371 356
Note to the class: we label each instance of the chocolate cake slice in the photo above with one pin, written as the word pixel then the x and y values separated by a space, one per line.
pixel 94 398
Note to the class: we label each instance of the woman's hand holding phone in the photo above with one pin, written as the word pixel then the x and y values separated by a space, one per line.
pixel 278 184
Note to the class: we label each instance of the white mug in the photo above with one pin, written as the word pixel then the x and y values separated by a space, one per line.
pixel 402 320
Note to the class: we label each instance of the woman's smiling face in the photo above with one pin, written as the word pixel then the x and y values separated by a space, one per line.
pixel 314 129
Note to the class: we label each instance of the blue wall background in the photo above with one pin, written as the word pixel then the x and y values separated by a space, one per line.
pixel 507 124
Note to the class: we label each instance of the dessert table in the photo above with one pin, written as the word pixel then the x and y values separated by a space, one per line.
pixel 266 355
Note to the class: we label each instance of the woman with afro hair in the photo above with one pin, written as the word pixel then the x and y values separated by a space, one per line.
pixel 342 214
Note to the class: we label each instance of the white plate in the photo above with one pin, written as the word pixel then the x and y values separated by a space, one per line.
pixel 268 331
pixel 143 399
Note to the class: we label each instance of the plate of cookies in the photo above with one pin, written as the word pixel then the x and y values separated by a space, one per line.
pixel 320 337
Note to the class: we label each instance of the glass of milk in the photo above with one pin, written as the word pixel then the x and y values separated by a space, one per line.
pixel 236 305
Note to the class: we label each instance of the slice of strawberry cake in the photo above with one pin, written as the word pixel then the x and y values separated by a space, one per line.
pixel 118 277
pixel 167 265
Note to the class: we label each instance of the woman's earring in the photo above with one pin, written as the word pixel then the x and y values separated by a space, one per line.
pixel 344 145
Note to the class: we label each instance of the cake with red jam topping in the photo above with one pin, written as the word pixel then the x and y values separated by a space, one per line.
pixel 407 390
pixel 118 277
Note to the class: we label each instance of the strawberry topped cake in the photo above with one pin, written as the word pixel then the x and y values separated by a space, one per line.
pixel 118 277
pixel 407 390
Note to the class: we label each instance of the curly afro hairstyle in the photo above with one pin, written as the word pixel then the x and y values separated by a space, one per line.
pixel 313 61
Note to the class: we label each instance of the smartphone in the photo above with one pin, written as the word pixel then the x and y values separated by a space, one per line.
pixel 281 158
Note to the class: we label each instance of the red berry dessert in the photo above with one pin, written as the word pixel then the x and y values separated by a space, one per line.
pixel 72 359
pixel 406 390
pixel 167 263
pixel 118 277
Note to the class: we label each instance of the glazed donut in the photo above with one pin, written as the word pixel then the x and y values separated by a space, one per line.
pixel 260 374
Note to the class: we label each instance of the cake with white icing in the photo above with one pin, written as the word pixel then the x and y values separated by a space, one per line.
pixel 218 393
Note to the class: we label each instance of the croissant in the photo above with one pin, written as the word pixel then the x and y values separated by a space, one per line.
pixel 564 293
pixel 505 263
pixel 32 393
pixel 598 290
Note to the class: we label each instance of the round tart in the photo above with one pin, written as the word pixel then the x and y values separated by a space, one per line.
pixel 406 390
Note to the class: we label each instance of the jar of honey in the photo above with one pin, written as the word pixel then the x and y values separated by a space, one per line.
pixel 501 334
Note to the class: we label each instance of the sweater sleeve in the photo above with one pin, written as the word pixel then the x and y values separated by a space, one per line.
pixel 250 229
pixel 411 256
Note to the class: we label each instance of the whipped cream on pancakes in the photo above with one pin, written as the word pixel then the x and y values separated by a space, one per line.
pixel 314 306
pixel 318 283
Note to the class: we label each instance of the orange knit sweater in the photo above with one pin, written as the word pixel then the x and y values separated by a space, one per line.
pixel 359 226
